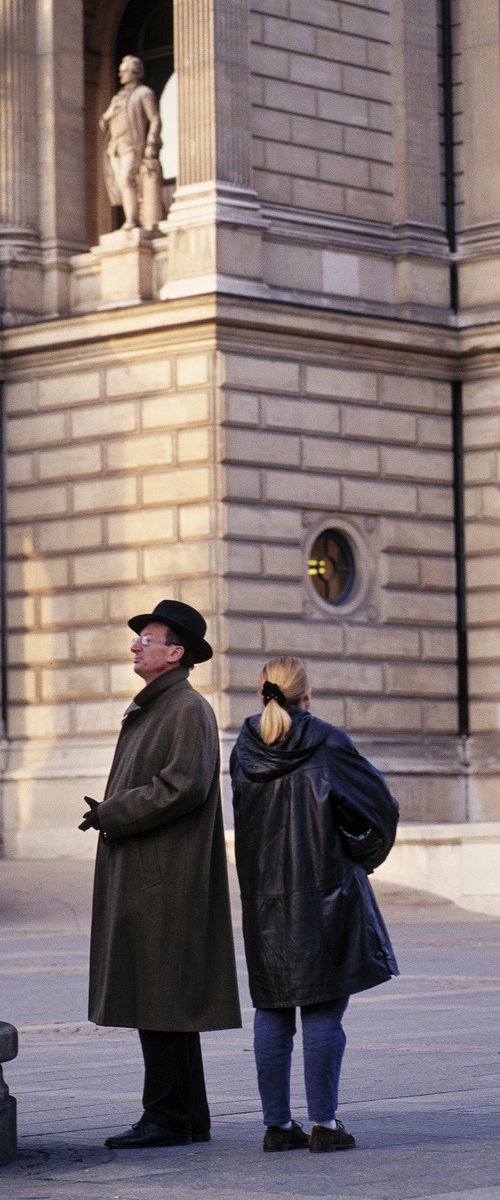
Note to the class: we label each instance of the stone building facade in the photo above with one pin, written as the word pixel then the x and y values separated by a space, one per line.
pixel 280 405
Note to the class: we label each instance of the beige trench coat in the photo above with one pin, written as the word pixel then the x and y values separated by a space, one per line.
pixel 162 955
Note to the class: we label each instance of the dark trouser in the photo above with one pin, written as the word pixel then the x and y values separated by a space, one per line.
pixel 174 1084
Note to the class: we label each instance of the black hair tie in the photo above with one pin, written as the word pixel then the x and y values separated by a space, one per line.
pixel 271 691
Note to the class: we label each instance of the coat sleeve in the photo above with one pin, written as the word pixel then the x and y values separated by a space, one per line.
pixel 363 804
pixel 182 784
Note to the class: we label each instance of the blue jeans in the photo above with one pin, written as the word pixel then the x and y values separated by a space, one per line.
pixel 323 1040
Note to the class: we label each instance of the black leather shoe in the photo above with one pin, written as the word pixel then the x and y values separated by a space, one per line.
pixel 144 1134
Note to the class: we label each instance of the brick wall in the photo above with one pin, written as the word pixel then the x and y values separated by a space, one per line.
pixel 308 445
pixel 322 105
pixel 110 506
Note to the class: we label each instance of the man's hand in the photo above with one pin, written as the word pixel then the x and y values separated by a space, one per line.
pixel 90 819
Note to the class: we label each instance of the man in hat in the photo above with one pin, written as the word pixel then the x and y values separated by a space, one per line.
pixel 162 956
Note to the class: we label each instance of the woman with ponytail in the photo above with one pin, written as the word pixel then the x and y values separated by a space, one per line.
pixel 312 819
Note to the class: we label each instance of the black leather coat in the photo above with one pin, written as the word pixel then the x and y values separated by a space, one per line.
pixel 312 927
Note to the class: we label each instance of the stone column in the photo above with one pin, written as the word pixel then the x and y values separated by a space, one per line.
pixel 479 237
pixel 422 268
pixel 61 141
pixel 20 275
pixel 214 223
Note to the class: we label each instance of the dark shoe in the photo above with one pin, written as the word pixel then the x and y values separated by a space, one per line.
pixel 203 1136
pixel 276 1138
pixel 323 1141
pixel 144 1134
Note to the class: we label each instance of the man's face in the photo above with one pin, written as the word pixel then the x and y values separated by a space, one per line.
pixel 127 70
pixel 156 656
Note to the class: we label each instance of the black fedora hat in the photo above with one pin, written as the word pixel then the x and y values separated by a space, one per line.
pixel 181 618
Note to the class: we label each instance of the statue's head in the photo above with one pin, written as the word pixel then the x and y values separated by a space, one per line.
pixel 130 68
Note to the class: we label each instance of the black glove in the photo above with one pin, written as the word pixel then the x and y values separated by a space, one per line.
pixel 90 819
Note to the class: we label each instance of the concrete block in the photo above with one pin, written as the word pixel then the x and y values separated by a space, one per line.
pixel 371 85
pixel 315 72
pixel 103 717
pixel 403 463
pixel 102 642
pixel 302 638
pixel 41 430
pixel 401 570
pixel 289 97
pixel 168 411
pixel 20 469
pixel 238 631
pixel 318 491
pixel 343 169
pixel 44 501
pixel 196 521
pixel 59 391
pixel 435 431
pixel 138 377
pixel 140 527
pixel 178 560
pixel 186 483
pixel 240 483
pixel 116 566
pixel 322 135
pixel 261 373
pixel 23 686
pixel 290 35
pixel 133 452
pixel 282 562
pixel 38 647
pixel 419 395
pixel 482 431
pixel 20 397
pixel 194 445
pixel 435 502
pixel 300 415
pixel 415 536
pixel 379 497
pixel 257 596
pixel 73 608
pixel 480 466
pixel 262 447
pixel 192 370
pixel 340 455
pixel 271 62
pixel 104 494
pixel 38 575
pixel 371 641
pixel 377 423
pixel 414 608
pixel 310 193
pixel 381 714
pixel 440 717
pixel 297 267
pixel 347 49
pixel 324 13
pixel 480 396
pixel 73 683
pixel 240 408
pixel 428 679
pixel 98 421
pixel 70 461
pixel 437 573
pixel 74 534
pixel 439 644
pixel 339 384
pixel 21 612
pixel 41 721
pixel 263 523
pixel 348 677
pixel 242 558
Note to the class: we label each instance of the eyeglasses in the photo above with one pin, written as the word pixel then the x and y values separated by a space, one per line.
pixel 146 640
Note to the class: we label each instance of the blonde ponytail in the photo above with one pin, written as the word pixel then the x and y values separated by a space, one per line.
pixel 288 675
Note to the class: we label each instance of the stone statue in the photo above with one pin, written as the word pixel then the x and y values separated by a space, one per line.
pixel 131 125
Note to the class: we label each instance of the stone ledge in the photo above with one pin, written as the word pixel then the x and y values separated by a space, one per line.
pixel 457 861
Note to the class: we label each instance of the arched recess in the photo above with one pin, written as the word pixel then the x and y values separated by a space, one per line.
pixel 119 27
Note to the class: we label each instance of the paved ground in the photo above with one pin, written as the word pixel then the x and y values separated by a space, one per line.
pixel 421 1082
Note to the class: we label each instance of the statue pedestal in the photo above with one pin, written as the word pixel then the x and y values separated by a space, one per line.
pixel 126 265
pixel 8 1121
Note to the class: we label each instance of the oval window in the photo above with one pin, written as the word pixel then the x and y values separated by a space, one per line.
pixel 331 566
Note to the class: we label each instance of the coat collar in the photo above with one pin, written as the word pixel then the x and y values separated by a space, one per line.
pixel 156 688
